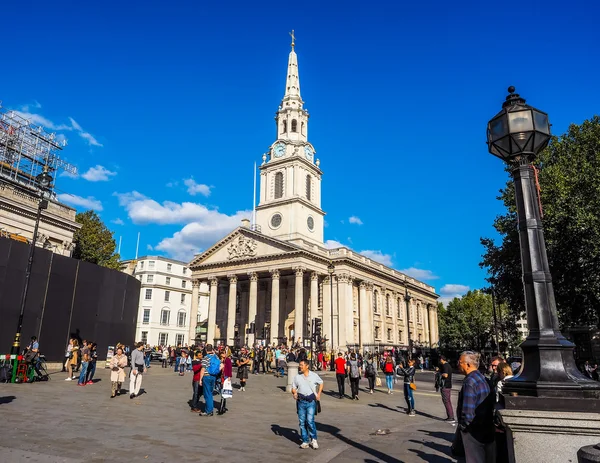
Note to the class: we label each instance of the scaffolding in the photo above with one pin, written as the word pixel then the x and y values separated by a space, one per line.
pixel 25 148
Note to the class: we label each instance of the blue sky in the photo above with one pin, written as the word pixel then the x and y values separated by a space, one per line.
pixel 167 105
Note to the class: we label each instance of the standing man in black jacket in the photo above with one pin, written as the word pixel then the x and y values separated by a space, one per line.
pixel 446 389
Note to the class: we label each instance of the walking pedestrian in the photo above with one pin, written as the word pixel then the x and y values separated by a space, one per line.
pixel 117 372
pixel 226 375
pixel 165 357
pixel 71 362
pixel 409 378
pixel 196 368
pixel 92 363
pixel 446 388
pixel 243 364
pixel 354 372
pixel 388 370
pixel 211 367
pixel 85 360
pixel 340 374
pixel 370 372
pixel 138 368
pixel 306 389
pixel 476 412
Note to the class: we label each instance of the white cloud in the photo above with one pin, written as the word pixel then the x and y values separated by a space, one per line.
pixel 194 188
pixel 420 274
pixel 149 247
pixel 88 203
pixel 64 173
pixel 454 289
pixel 85 135
pixel 378 256
pixel 355 220
pixel 98 174
pixel 118 221
pixel 332 244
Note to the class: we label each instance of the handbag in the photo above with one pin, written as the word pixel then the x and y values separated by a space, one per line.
pixel 457 448
pixel 413 386
pixel 227 391
pixel 377 381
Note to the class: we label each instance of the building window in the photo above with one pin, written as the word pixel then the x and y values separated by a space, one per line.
pixel 151 265
pixel 150 279
pixel 375 297
pixel 146 318
pixel 418 313
pixel 164 317
pixel 308 187
pixel 399 301
pixel 294 125
pixel 163 339
pixel 377 332
pixel 183 283
pixel 144 337
pixel 387 305
pixel 181 318
pixel 400 336
pixel 141 265
pixel 184 270
pixel 167 296
pixel 302 128
pixel 389 334
pixel 183 298
pixel 284 127
pixel 168 281
pixel 179 338
pixel 148 295
pixel 278 185
pixel 169 267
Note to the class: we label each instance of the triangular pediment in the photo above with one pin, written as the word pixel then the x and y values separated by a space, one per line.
pixel 242 244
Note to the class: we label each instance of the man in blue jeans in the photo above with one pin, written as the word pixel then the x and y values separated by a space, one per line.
pixel 306 389
pixel 207 381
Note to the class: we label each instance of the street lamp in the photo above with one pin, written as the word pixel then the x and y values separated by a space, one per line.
pixel 331 270
pixel 517 134
pixel 407 298
pixel 44 181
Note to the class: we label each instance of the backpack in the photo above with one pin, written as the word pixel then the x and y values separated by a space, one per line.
pixel 370 369
pixel 354 369
pixel 214 366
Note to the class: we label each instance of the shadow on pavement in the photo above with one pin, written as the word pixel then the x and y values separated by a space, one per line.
pixel 385 406
pixel 431 458
pixel 288 433
pixel 449 436
pixel 335 432
pixel 7 399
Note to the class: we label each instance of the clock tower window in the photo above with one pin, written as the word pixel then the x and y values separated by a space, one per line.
pixel 278 185
pixel 294 125
pixel 301 128
pixel 308 186
pixel 284 127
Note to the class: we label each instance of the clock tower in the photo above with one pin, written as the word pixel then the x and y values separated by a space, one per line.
pixel 290 178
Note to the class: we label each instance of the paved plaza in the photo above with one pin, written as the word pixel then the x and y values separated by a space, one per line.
pixel 58 421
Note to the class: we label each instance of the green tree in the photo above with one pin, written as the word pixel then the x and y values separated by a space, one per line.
pixel 569 178
pixel 94 242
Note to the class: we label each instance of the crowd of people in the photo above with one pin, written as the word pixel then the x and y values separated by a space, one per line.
pixel 82 359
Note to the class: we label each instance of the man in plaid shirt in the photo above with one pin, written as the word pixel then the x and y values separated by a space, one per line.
pixel 476 412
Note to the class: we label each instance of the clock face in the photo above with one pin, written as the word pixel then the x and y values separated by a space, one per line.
pixel 276 220
pixel 308 151
pixel 310 222
pixel 279 150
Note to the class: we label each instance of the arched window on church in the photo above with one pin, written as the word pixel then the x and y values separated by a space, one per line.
pixel 387 305
pixel 377 332
pixel 284 127
pixel 389 334
pixel 302 128
pixel 294 125
pixel 278 185
pixel 375 306
pixel 308 186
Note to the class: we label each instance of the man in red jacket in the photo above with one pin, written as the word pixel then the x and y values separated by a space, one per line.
pixel 196 367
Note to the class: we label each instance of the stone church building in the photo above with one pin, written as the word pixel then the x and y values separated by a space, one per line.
pixel 269 279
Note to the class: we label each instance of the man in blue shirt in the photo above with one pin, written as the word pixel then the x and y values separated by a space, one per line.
pixel 476 412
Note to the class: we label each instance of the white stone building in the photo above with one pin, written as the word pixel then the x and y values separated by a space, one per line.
pixel 166 299
pixel 275 275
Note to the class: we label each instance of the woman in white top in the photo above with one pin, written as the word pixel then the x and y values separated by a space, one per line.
pixel 504 372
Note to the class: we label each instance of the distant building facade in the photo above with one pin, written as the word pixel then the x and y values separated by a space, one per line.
pixel 172 307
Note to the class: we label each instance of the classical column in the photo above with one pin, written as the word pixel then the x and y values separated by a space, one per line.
pixel 193 312
pixel 394 312
pixel 212 310
pixel 343 311
pixel 350 312
pixel 314 295
pixel 299 306
pixel 426 325
pixel 363 310
pixel 370 317
pixel 436 334
pixel 431 316
pixel 327 314
pixel 231 309
pixel 252 305
pixel 275 305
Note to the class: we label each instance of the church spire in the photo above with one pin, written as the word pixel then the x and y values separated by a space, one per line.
pixel 292 84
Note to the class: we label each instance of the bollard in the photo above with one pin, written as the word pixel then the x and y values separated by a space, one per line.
pixel 292 371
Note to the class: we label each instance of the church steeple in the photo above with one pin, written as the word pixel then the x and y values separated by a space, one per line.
pixel 290 178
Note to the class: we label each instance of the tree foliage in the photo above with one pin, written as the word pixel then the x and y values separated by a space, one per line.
pixel 569 177
pixel 94 242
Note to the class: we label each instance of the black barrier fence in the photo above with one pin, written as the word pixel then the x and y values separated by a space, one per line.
pixel 66 297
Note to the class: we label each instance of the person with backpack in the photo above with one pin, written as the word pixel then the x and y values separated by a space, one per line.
pixel 354 373
pixel 388 370
pixel 370 373
pixel 211 368
pixel 340 374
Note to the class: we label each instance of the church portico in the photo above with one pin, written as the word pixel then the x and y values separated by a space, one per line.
pixel 268 281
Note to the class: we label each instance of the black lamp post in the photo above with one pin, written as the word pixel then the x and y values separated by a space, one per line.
pixel 407 298
pixel 331 270
pixel 43 180
pixel 549 378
